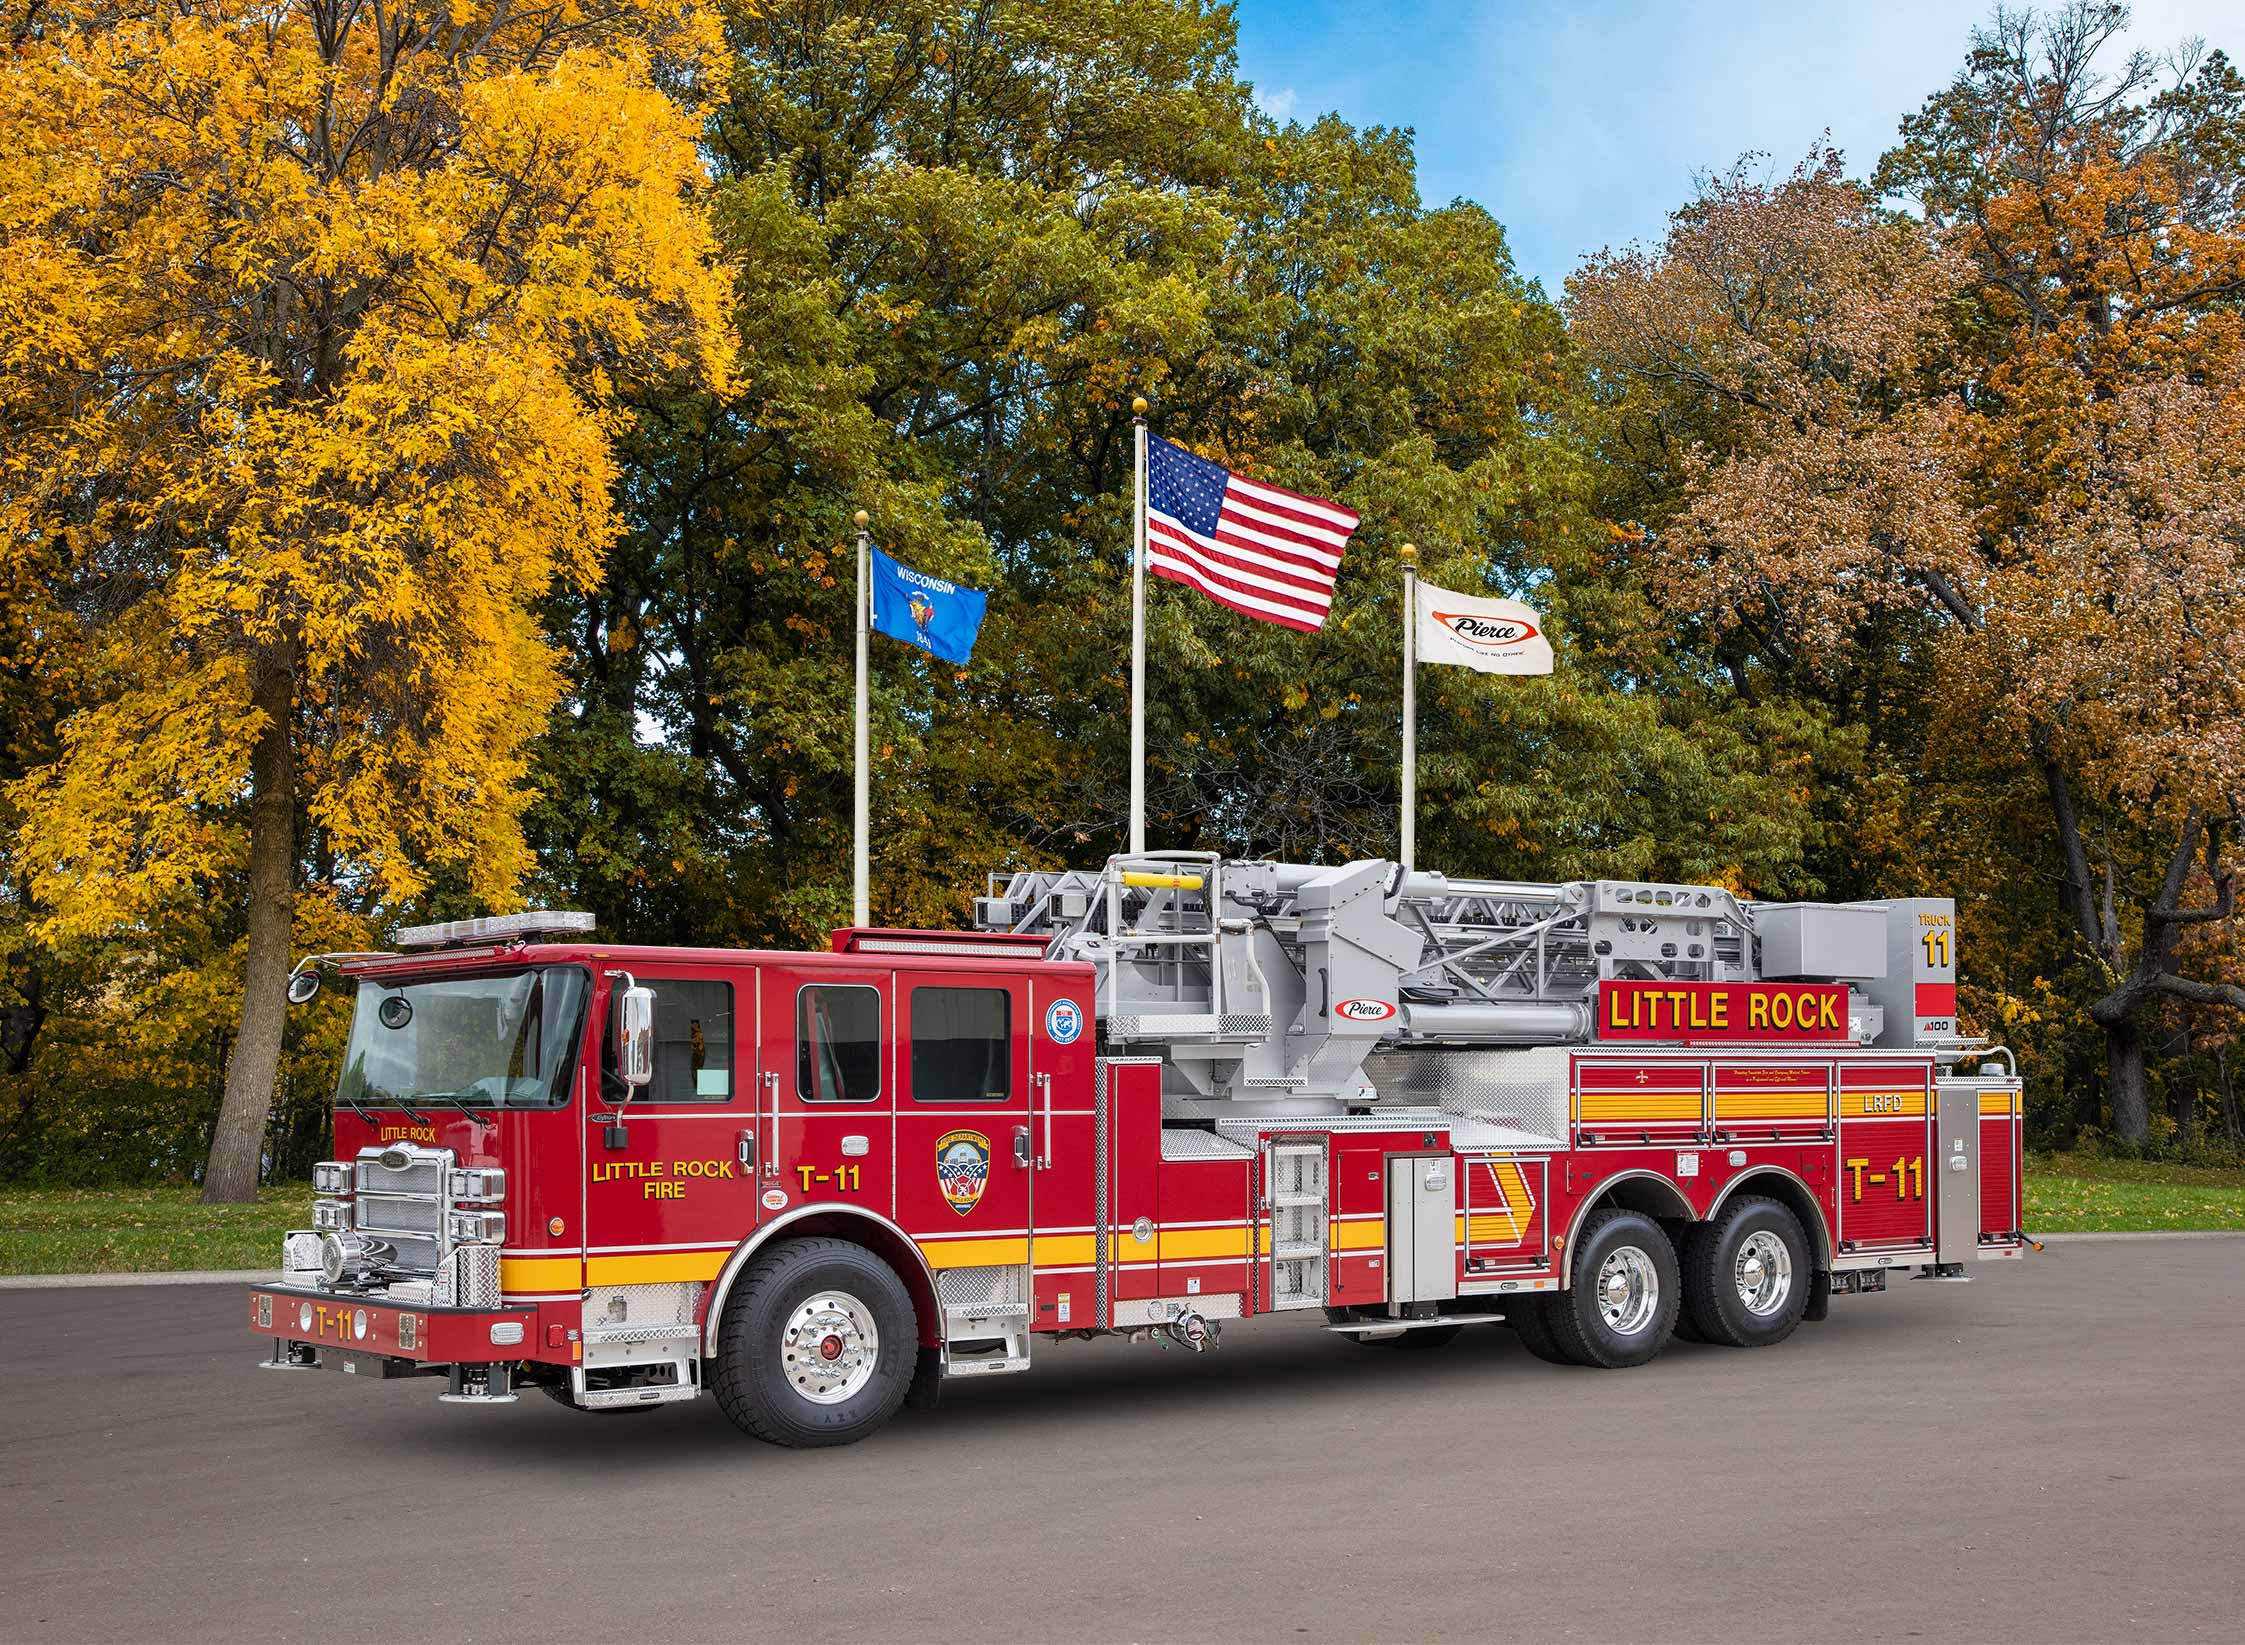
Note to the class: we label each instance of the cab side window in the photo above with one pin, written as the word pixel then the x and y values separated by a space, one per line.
pixel 837 1042
pixel 962 1045
pixel 693 1044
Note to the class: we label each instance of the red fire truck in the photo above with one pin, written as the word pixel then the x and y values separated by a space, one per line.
pixel 1144 1099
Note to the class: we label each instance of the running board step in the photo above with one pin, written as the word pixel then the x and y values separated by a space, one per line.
pixel 1015 1356
pixel 686 1384
pixel 1396 1327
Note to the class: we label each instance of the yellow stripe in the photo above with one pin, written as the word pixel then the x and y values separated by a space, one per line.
pixel 1913 1104
pixel 1204 1244
pixel 1999 1102
pixel 1063 1250
pixel 540 1274
pixel 1359 1236
pixel 1738 1105
pixel 1638 1105
pixel 653 1266
pixel 974 1253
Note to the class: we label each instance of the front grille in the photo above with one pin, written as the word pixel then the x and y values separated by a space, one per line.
pixel 419 1171
pixel 396 1214
pixel 400 1228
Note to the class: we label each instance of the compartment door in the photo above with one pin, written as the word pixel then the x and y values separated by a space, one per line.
pixel 825 1088
pixel 1884 1143
pixel 1422 1227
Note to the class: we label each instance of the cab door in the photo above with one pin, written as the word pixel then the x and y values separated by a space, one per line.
pixel 666 1192
pixel 825 1087
pixel 965 1147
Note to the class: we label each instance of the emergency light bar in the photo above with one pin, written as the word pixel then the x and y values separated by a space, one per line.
pixel 495 928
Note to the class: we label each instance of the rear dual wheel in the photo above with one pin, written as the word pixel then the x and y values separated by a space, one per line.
pixel 1747 1274
pixel 1622 1306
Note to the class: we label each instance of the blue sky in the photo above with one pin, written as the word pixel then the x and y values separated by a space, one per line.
pixel 1581 126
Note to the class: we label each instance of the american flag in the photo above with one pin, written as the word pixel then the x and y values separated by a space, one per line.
pixel 1260 549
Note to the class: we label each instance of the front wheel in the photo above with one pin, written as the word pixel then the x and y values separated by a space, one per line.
pixel 817 1345
pixel 1621 1308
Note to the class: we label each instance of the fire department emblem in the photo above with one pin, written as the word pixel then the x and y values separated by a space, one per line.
pixel 962 1166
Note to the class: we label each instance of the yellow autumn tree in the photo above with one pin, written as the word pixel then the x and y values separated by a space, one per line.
pixel 315 316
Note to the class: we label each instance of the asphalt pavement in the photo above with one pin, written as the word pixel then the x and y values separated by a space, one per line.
pixel 2054 1452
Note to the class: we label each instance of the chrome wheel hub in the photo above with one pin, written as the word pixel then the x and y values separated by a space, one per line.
pixel 1764 1273
pixel 1628 1290
pixel 829 1347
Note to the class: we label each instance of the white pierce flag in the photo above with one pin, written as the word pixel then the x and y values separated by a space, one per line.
pixel 1494 636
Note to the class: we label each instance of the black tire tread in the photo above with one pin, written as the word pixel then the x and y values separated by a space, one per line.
pixel 1530 1319
pixel 774 1271
pixel 1566 1314
pixel 1702 1273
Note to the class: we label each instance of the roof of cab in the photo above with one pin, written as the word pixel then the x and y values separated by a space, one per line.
pixel 944 951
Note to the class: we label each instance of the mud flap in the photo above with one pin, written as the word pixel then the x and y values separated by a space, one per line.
pixel 1819 1295
pixel 927 1381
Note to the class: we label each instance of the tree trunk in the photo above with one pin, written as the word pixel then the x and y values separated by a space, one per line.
pixel 2230 1123
pixel 2124 1082
pixel 236 1145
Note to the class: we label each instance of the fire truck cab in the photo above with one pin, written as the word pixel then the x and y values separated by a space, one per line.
pixel 1148 1099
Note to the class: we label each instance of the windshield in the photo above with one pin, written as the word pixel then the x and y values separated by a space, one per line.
pixel 505 1040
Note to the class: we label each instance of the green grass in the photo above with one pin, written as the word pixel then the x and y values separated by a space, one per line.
pixel 2072 1193
pixel 143 1230
pixel 151 1230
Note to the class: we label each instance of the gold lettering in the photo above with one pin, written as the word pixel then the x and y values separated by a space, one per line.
pixel 1828 1011
pixel 1757 1010
pixel 1699 1013
pixel 1719 1009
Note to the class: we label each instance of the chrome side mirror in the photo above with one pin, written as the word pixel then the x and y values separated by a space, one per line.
pixel 635 1036
pixel 303 985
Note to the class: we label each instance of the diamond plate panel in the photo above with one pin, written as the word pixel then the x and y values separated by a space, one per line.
pixel 971 1288
pixel 1190 1142
pixel 1526 1088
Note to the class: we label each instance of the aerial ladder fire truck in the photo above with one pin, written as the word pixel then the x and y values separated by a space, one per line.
pixel 1148 1099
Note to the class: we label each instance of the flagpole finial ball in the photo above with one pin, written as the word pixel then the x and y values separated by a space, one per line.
pixel 1138 405
pixel 1409 553
pixel 862 519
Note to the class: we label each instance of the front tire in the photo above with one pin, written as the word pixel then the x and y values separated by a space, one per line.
pixel 1621 1308
pixel 1747 1274
pixel 817 1345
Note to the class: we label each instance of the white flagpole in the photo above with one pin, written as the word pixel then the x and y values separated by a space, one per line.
pixel 1410 557
pixel 1138 639
pixel 861 829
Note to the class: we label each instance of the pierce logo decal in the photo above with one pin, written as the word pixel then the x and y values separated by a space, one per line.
pixel 962 1168
pixel 1063 1022
pixel 1487 633
pixel 1364 1010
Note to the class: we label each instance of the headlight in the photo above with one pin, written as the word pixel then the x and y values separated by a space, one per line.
pixel 477 1227
pixel 303 1316
pixel 480 1185
pixel 331 1215
pixel 358 1324
pixel 331 1177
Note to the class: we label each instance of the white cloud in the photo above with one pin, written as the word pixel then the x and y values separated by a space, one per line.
pixel 1279 104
